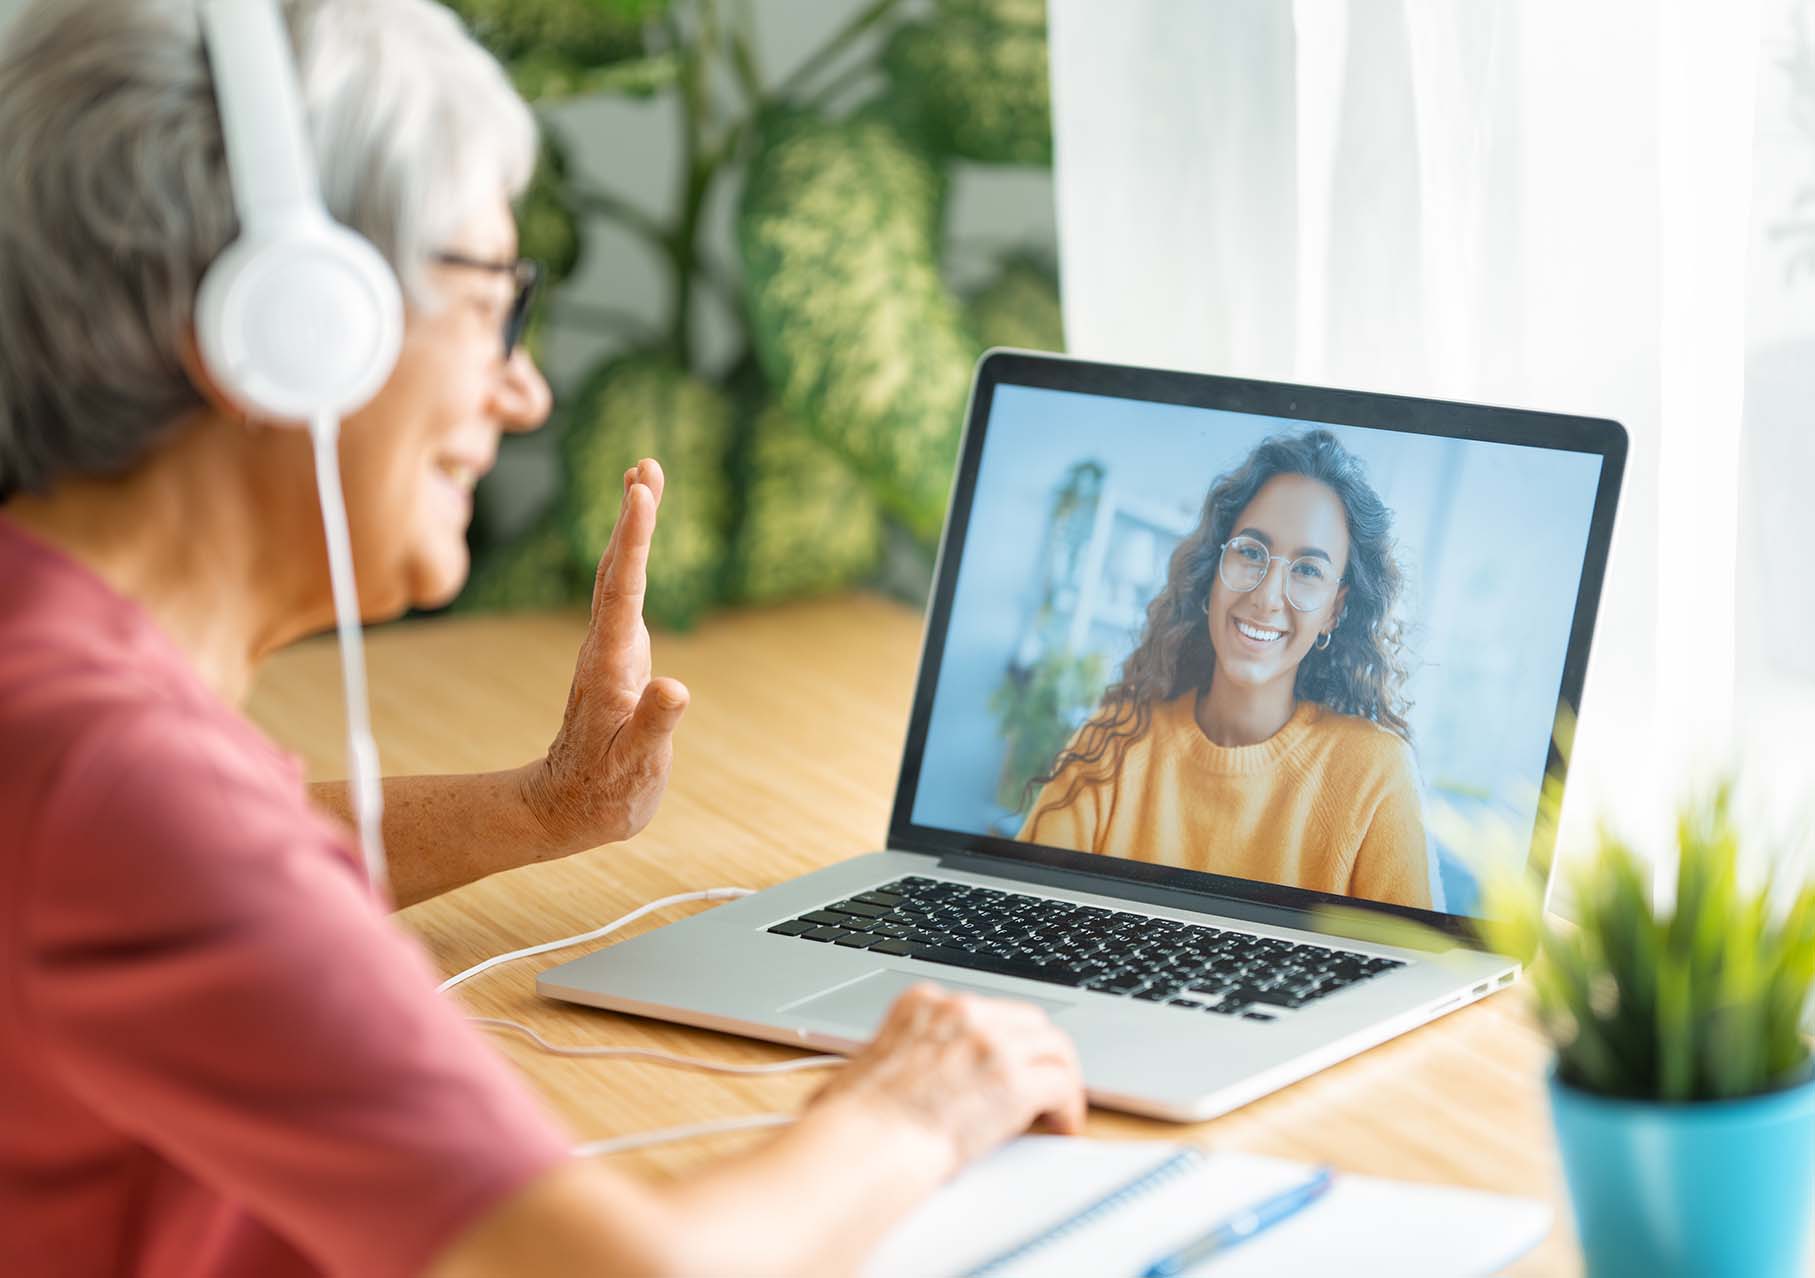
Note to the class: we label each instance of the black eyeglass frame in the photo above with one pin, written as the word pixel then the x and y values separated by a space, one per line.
pixel 525 271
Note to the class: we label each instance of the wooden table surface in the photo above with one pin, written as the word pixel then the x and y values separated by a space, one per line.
pixel 786 761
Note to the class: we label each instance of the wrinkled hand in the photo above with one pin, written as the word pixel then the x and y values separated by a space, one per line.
pixel 603 777
pixel 969 1071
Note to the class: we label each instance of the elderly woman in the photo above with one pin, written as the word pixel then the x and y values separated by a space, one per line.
pixel 216 1054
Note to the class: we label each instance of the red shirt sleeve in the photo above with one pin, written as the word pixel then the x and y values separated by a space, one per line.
pixel 205 968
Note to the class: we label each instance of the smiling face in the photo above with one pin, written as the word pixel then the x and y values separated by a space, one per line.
pixel 1257 637
pixel 410 458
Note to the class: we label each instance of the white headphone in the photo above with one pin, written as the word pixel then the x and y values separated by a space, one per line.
pixel 300 319
pixel 299 316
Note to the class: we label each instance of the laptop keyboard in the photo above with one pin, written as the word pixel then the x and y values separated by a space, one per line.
pixel 1186 965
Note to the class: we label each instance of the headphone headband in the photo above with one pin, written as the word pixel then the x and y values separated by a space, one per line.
pixel 299 318
pixel 260 100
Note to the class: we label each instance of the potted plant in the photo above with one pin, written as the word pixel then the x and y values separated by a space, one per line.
pixel 1681 1091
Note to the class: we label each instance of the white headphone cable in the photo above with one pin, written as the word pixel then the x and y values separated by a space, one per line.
pixel 662 1136
pixel 711 894
pixel 631 1053
pixel 362 751
pixel 658 1058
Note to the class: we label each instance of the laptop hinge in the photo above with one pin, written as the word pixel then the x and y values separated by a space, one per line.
pixel 1152 894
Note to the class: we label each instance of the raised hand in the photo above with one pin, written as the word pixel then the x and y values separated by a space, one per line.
pixel 603 776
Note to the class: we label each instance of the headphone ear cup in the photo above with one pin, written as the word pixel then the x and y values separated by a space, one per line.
pixel 300 323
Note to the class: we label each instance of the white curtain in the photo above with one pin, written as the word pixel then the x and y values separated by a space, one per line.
pixel 1547 204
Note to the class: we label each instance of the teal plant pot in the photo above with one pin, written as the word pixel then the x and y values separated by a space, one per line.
pixel 1709 1188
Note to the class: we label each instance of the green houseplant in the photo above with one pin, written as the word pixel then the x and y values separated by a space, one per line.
pixel 1682 1092
pixel 831 437
pixel 1037 708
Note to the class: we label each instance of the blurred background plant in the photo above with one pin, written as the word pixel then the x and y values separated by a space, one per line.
pixel 1039 707
pixel 803 383
pixel 1691 987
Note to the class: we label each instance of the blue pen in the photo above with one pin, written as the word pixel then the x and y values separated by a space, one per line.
pixel 1242 1226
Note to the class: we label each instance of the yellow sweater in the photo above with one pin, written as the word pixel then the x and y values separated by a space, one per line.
pixel 1329 802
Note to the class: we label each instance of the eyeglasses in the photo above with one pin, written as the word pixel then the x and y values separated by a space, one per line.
pixel 527 272
pixel 1311 580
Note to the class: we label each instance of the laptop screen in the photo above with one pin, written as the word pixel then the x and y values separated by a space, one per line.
pixel 1266 648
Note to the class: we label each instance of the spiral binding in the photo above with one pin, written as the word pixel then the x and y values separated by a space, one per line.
pixel 1109 1203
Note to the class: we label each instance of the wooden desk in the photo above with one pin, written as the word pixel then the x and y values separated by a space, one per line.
pixel 786 761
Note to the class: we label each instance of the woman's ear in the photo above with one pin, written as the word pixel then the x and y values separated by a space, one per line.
pixel 1339 606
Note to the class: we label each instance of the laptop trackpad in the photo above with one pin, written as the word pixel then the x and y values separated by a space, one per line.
pixel 860 1004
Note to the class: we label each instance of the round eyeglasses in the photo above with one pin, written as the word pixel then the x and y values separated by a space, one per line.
pixel 1311 580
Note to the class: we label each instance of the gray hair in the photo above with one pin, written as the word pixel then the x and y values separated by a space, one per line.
pixel 114 195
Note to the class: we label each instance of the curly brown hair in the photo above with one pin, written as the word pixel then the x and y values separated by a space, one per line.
pixel 1362 672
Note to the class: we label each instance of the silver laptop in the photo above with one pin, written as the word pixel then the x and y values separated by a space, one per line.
pixel 1214 672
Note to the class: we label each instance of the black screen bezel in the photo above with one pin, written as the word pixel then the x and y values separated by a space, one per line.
pixel 1405 414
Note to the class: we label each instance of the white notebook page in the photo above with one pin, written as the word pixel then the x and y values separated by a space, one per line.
pixel 1363 1226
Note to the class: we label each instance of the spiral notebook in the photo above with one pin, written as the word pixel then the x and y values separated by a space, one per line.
pixel 1052 1207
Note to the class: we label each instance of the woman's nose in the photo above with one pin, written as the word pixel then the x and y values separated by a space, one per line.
pixel 522 400
pixel 1272 586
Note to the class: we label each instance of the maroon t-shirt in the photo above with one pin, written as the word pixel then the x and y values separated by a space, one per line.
pixel 217 1054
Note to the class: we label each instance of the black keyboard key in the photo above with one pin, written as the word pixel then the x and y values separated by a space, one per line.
pixel 856 940
pixel 858 907
pixel 879 897
pixel 1156 994
pixel 1261 994
pixel 1053 975
pixel 822 918
pixel 828 934
pixel 793 927
pixel 1258 1016
pixel 882 928
pixel 902 948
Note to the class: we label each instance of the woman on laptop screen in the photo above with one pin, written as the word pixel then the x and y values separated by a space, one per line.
pixel 1258 728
